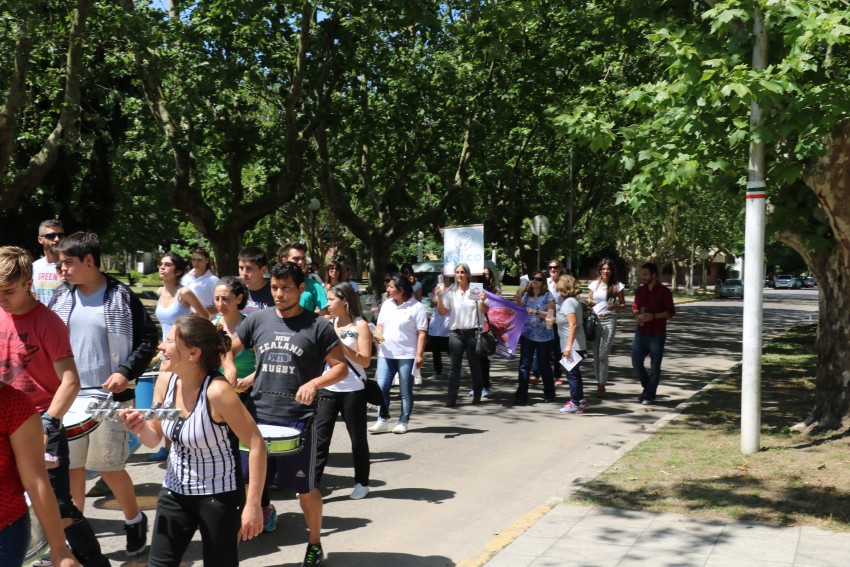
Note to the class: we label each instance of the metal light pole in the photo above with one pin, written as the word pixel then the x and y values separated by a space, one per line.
pixel 420 235
pixel 753 265
pixel 539 226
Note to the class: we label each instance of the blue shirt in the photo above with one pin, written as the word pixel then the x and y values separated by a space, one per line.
pixel 535 326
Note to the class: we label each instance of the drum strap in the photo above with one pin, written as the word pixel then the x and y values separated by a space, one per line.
pixel 287 395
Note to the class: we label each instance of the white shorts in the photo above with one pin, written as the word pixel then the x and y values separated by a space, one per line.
pixel 103 449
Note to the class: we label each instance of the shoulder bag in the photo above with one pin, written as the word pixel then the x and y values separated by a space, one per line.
pixel 485 340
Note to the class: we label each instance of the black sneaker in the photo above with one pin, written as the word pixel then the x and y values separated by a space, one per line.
pixel 137 537
pixel 314 555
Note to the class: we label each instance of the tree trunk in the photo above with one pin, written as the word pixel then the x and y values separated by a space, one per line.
pixel 829 178
pixel 227 245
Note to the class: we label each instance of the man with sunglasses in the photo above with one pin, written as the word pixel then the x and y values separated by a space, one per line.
pixel 45 276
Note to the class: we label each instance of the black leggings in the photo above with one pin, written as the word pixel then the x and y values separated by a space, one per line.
pixel 178 516
pixel 352 405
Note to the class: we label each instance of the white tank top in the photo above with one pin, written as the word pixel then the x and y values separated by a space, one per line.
pixel 356 374
pixel 204 456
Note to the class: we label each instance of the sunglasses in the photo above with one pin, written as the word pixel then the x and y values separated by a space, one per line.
pixel 554 267
pixel 53 235
pixel 605 270
pixel 164 264
pixel 539 279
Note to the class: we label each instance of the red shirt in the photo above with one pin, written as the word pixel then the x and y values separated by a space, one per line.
pixel 29 345
pixel 654 300
pixel 17 408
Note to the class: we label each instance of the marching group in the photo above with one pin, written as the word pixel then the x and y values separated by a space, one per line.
pixel 274 350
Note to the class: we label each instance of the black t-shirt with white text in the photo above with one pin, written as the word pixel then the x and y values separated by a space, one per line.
pixel 290 352
pixel 259 299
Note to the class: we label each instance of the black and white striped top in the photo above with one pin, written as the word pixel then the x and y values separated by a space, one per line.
pixel 204 455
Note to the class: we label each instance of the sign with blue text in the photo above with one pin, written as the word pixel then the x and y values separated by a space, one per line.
pixel 463 244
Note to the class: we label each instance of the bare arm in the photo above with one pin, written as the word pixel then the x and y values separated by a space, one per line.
pixel 29 459
pixel 422 337
pixel 227 408
pixel 69 387
pixel 336 373
pixel 189 299
pixel 363 354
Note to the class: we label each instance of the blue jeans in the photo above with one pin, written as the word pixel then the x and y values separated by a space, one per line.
pixel 575 381
pixel 652 345
pixel 14 540
pixel 387 368
pixel 527 350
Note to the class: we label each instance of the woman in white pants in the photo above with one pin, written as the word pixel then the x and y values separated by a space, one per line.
pixel 606 297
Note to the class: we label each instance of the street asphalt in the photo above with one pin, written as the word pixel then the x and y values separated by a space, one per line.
pixel 485 484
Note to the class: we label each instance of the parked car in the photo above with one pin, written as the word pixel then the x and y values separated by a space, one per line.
pixel 786 281
pixel 730 288
pixel 810 282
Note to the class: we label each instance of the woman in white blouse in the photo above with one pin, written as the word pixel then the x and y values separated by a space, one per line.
pixel 402 326
pixel 462 305
pixel 606 296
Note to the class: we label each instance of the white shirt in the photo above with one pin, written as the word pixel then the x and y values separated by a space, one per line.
pixel 463 312
pixel 401 324
pixel 45 279
pixel 203 286
pixel 599 294
pixel 559 299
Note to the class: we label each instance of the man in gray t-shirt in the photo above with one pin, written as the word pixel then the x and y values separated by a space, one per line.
pixel 292 346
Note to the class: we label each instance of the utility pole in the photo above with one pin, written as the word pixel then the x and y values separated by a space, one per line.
pixel 753 265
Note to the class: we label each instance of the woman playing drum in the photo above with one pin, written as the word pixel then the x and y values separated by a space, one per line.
pixel 203 482
pixel 22 468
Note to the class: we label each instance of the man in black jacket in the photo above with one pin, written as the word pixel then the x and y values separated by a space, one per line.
pixel 113 340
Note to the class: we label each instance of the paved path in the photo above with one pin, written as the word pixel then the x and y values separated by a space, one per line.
pixel 465 482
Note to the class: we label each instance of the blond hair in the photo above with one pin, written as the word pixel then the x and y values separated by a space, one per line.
pixel 15 265
pixel 568 286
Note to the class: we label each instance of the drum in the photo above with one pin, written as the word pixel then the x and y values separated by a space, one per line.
pixel 280 440
pixel 38 547
pixel 76 421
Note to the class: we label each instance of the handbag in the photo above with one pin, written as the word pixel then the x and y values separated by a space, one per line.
pixel 485 341
pixel 374 395
pixel 591 323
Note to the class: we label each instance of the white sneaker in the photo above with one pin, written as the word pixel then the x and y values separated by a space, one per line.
pixel 400 428
pixel 379 427
pixel 359 492
pixel 437 377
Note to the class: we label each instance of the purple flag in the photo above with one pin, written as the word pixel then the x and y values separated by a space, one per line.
pixel 506 321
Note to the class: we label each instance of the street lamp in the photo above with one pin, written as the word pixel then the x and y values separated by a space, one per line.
pixel 313 205
pixel 420 235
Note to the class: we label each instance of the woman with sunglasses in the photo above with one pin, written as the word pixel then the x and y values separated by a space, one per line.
pixel 402 325
pixel 203 482
pixel 536 337
pixel 463 307
pixel 349 396
pixel 607 298
pixel 175 300
pixel 200 278
pixel 333 275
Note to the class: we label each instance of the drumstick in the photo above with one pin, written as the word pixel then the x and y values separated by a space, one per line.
pixel 286 395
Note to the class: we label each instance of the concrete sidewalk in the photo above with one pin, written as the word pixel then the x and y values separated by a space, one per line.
pixel 608 537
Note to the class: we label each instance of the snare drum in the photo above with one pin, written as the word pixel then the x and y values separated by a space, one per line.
pixel 280 440
pixel 77 422
pixel 38 547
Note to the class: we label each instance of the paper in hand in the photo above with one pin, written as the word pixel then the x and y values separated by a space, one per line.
pixel 570 363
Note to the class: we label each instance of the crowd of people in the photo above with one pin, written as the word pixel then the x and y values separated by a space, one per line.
pixel 274 354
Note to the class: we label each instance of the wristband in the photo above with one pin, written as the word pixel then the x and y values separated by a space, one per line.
pixel 50 423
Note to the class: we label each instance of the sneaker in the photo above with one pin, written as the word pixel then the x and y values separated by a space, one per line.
pixel 646 402
pixel 437 376
pixel 400 428
pixel 137 537
pixel 160 455
pixel 571 408
pixel 471 393
pixel 485 392
pixel 359 492
pixel 379 427
pixel 583 404
pixel 535 380
pixel 314 555
pixel 269 518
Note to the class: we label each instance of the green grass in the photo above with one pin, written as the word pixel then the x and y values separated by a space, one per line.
pixel 694 464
